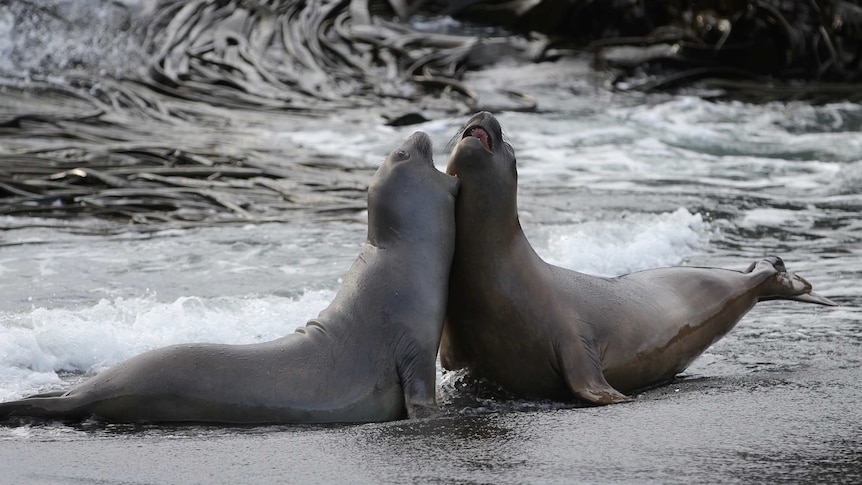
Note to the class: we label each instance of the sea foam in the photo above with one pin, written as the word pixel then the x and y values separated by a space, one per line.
pixel 37 345
pixel 630 243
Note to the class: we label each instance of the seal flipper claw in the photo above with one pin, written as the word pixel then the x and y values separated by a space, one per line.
pixel 602 397
pixel 595 391
pixel 423 412
pixel 815 298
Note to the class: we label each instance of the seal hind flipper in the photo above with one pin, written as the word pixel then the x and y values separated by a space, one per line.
pixel 786 285
pixel 40 407
pixel 49 394
pixel 811 298
pixel 581 368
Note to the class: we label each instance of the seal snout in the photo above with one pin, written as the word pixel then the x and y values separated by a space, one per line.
pixel 421 142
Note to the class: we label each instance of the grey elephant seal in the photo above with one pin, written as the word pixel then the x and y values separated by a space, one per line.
pixel 541 331
pixel 369 356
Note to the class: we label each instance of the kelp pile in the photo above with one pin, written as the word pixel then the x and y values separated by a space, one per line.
pixel 85 140
pixel 152 185
pixel 308 55
pixel 304 54
pixel 114 147
pixel 123 155
pixel 753 49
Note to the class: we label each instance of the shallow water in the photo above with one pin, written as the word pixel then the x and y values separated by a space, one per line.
pixel 609 183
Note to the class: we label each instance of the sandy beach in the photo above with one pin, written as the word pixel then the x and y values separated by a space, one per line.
pixel 768 427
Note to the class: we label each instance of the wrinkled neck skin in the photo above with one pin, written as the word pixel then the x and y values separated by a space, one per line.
pixel 403 268
pixel 491 251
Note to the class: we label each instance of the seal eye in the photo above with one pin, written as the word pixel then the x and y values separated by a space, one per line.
pixel 402 155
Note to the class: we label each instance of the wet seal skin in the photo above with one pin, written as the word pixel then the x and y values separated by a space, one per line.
pixel 369 356
pixel 541 331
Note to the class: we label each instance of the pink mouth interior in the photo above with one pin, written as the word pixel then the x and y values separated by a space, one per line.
pixel 482 135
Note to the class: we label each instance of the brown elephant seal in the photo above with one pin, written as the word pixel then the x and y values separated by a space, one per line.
pixel 369 356
pixel 542 331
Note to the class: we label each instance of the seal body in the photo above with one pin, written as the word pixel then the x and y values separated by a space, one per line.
pixel 542 331
pixel 369 356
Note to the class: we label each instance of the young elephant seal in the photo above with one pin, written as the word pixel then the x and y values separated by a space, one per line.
pixel 369 356
pixel 541 331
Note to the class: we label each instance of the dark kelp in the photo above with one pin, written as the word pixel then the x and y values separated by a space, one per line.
pixel 131 143
pixel 750 49
pixel 295 54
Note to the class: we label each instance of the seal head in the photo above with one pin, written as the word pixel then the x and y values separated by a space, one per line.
pixel 485 163
pixel 402 188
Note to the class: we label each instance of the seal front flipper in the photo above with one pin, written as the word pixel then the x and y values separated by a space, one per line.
pixel 420 400
pixel 419 387
pixel 581 368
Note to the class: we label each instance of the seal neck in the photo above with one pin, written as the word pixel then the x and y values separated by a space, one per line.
pixel 485 224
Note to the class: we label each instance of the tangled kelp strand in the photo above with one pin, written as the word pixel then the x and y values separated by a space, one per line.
pixel 177 140
pixel 143 193
pixel 680 43
pixel 294 54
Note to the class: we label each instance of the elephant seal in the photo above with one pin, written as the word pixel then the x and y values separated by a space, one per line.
pixel 369 356
pixel 541 331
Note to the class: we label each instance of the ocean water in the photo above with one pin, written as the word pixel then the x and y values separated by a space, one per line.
pixel 609 183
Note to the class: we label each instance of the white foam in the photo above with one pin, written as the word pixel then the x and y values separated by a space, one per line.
pixel 7 37
pixel 34 346
pixel 633 242
pixel 340 138
pixel 767 216
pixel 772 130
pixel 67 35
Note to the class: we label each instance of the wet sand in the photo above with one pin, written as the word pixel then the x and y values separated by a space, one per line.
pixel 764 427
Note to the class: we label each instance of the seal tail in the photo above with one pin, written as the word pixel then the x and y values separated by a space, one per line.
pixel 785 285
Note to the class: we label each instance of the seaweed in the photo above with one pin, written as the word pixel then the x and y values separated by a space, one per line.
pixel 163 185
pixel 302 55
pixel 135 149
pixel 755 50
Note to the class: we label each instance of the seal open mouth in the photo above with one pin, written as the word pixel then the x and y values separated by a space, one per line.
pixel 481 134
